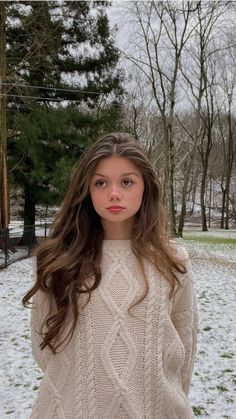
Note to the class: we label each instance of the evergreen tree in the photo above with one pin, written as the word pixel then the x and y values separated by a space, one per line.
pixel 68 49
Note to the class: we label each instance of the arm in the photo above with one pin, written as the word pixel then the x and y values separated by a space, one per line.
pixel 185 319
pixel 38 313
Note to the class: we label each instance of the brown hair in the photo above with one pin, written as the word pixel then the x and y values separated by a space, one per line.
pixel 72 254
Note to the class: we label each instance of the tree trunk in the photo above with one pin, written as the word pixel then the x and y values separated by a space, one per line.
pixel 169 198
pixel 222 221
pixel 172 198
pixel 183 205
pixel 194 191
pixel 227 201
pixel 3 128
pixel 29 238
pixel 229 161
pixel 202 198
pixel 210 204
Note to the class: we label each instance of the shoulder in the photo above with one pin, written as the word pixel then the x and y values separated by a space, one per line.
pixel 41 299
pixel 179 252
pixel 181 257
pixel 40 293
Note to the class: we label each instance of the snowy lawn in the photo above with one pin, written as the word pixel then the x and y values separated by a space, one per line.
pixel 213 256
pixel 212 394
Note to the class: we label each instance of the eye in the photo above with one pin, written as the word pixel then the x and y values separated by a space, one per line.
pixel 127 182
pixel 100 183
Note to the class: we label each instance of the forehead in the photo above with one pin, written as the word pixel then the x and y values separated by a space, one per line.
pixel 115 164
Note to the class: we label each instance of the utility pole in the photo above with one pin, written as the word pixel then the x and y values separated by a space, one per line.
pixel 4 200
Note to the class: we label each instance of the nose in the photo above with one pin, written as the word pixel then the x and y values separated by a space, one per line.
pixel 114 194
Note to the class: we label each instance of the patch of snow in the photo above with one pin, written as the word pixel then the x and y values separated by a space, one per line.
pixel 213 385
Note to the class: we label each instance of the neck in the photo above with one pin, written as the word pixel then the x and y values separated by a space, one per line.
pixel 117 231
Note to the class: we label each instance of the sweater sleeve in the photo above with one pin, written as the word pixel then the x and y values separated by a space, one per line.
pixel 39 310
pixel 185 320
pixel 38 313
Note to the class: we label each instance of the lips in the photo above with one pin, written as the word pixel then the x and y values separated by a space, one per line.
pixel 114 209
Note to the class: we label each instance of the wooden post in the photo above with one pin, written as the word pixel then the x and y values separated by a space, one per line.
pixel 3 126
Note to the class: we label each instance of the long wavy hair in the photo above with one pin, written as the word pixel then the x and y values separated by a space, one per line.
pixel 72 253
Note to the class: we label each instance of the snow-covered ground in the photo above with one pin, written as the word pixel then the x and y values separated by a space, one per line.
pixel 213 388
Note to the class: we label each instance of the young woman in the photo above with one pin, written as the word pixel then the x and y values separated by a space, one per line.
pixel 114 317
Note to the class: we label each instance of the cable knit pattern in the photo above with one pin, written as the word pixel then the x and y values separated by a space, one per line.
pixel 121 364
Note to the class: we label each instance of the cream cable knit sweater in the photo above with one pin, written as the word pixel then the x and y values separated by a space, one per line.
pixel 120 365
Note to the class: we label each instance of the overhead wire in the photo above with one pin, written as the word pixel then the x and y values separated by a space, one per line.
pixel 118 105
pixel 53 88
pixel 39 97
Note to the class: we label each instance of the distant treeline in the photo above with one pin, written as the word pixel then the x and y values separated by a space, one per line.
pixel 64 85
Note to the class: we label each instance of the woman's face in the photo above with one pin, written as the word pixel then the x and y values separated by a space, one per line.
pixel 116 190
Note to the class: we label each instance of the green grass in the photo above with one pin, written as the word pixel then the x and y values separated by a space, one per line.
pixel 209 239
pixel 228 370
pixel 207 328
pixel 229 355
pixel 222 389
pixel 198 410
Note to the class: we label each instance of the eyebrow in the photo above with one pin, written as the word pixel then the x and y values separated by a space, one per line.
pixel 123 174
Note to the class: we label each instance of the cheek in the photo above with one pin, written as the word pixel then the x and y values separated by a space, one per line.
pixel 137 197
pixel 92 195
pixel 140 192
pixel 96 198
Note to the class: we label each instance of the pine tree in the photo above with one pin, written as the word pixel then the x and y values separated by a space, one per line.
pixel 66 48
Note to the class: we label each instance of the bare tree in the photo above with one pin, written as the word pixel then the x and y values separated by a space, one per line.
pixel 201 77
pixel 162 31
pixel 227 125
pixel 177 49
pixel 186 162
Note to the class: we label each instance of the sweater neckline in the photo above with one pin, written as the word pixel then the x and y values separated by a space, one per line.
pixel 109 244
